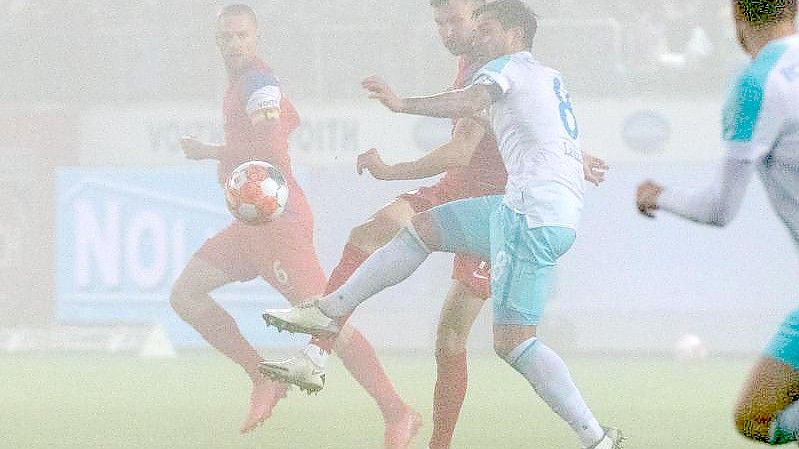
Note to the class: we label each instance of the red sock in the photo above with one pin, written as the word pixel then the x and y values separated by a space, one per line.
pixel 448 397
pixel 351 259
pixel 220 330
pixel 361 361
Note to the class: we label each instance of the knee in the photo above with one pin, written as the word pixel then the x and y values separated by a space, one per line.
pixel 425 229
pixel 449 342
pixel 180 297
pixel 501 350
pixel 750 424
pixel 359 233
pixel 375 233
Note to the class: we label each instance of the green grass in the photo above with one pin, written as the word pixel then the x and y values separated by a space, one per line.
pixel 198 400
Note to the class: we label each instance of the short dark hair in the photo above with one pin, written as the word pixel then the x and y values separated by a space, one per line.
pixel 512 14
pixel 440 3
pixel 238 9
pixel 765 12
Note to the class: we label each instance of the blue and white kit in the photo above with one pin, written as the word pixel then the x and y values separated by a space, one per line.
pixel 761 134
pixel 534 223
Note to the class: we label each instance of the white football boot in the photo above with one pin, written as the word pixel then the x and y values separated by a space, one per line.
pixel 613 439
pixel 299 370
pixel 306 319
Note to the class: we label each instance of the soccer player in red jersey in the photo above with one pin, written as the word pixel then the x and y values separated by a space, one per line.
pixel 258 121
pixel 472 167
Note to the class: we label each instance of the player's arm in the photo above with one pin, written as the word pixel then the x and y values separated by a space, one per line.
pixel 752 126
pixel 263 97
pixel 196 150
pixel 457 152
pixel 594 169
pixel 465 102
pixel 715 205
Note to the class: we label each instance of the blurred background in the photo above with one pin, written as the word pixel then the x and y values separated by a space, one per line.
pixel 101 211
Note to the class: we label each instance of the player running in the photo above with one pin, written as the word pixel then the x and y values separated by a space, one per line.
pixel 522 234
pixel 472 167
pixel 761 133
pixel 258 120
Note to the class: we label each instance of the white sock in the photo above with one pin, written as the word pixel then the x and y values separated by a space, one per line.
pixel 387 266
pixel 550 378
pixel 785 427
pixel 317 355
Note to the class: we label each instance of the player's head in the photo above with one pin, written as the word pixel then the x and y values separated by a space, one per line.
pixel 757 18
pixel 237 35
pixel 455 22
pixel 504 27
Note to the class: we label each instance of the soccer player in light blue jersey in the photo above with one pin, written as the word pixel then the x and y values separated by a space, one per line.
pixel 761 134
pixel 523 232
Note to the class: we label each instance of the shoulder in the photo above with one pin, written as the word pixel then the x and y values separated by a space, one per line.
pixel 757 75
pixel 498 65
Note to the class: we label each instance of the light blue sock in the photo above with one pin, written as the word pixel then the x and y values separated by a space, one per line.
pixel 785 427
pixel 550 378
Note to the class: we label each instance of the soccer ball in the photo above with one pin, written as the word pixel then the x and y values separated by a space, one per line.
pixel 256 192
pixel 690 348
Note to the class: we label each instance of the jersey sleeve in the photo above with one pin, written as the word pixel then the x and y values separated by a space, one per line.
pixel 262 93
pixel 496 76
pixel 754 114
pixel 719 202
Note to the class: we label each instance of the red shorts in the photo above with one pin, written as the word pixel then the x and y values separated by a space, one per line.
pixel 281 252
pixel 466 268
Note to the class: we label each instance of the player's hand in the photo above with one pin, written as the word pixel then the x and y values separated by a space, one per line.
pixel 193 149
pixel 379 90
pixel 594 169
pixel 647 198
pixel 373 163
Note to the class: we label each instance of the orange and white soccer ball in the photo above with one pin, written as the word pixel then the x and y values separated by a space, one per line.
pixel 256 192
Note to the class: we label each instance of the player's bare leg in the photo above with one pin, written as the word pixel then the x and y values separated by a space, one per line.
pixel 402 422
pixel 550 378
pixel 366 238
pixel 192 302
pixel 458 314
pixel 766 410
pixel 355 352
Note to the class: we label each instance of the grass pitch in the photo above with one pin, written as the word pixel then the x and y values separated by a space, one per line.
pixel 199 399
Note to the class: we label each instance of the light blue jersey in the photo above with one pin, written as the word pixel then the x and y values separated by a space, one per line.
pixel 761 124
pixel 538 138
pixel 761 133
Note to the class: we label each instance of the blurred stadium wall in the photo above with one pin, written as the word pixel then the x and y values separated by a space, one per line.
pixel 129 80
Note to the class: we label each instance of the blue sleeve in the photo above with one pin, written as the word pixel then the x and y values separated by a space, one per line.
pixel 494 75
pixel 743 108
pixel 255 80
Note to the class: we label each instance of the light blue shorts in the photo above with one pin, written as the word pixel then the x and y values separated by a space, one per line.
pixel 784 345
pixel 522 258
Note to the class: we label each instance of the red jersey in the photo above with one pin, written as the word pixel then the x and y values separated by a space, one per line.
pixel 254 88
pixel 485 174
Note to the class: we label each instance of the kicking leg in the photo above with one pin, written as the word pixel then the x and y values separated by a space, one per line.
pixel 460 226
